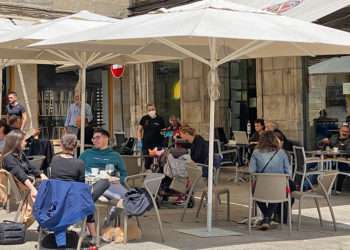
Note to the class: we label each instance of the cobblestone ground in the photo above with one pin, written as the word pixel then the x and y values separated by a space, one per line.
pixel 311 235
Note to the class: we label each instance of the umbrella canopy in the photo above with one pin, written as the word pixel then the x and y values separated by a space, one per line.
pixel 334 65
pixel 14 46
pixel 212 32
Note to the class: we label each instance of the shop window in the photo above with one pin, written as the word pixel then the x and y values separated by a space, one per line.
pixel 56 93
pixel 167 89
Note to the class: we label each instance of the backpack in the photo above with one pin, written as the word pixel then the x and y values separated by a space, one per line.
pixel 137 201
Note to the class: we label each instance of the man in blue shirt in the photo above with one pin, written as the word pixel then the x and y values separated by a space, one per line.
pixel 73 113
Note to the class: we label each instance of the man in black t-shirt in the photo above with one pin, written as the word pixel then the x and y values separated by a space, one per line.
pixel 148 132
pixel 14 108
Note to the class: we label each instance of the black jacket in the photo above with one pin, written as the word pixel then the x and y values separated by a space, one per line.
pixel 19 166
pixel 199 150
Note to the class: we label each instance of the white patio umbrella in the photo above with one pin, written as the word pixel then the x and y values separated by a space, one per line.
pixel 9 57
pixel 66 26
pixel 212 32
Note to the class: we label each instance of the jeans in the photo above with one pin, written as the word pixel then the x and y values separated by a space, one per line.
pixel 97 190
pixel 267 210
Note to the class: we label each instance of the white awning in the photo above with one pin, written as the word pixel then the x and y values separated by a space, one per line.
pixel 307 10
pixel 335 65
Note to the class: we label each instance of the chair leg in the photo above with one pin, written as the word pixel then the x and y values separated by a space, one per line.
pixel 185 206
pixel 299 215
pixel 250 215
pixel 332 213
pixel 138 222
pixel 81 235
pixel 282 215
pixel 98 222
pixel 319 211
pixel 216 207
pixel 302 183
pixel 228 205
pixel 217 175
pixel 290 215
pixel 40 238
pixel 125 225
pixel 200 204
pixel 160 225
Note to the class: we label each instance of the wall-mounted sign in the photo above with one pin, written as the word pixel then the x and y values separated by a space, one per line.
pixel 117 70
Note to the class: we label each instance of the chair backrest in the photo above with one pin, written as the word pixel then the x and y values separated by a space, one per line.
pixel 132 164
pixel 299 154
pixel 217 147
pixel 119 138
pixel 325 182
pixel 194 176
pixel 11 185
pixel 269 187
pixel 152 183
pixel 37 160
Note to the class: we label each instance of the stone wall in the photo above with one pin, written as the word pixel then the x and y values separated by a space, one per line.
pixel 56 8
pixel 279 94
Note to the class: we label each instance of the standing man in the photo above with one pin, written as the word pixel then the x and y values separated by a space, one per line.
pixel 14 108
pixel 73 114
pixel 148 132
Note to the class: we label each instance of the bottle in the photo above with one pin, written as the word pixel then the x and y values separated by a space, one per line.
pixel 249 128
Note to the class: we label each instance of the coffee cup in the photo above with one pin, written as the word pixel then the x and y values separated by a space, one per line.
pixel 335 150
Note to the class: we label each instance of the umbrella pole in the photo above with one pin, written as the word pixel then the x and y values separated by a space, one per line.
pixel 210 166
pixel 25 95
pixel 82 109
pixel 1 87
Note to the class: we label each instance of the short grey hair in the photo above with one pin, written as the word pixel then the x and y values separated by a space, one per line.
pixel 69 141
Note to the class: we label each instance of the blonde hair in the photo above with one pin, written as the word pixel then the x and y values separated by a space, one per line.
pixel 188 130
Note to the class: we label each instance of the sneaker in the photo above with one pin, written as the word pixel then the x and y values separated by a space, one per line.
pixel 337 192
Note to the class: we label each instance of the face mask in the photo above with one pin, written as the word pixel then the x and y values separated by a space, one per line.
pixel 152 113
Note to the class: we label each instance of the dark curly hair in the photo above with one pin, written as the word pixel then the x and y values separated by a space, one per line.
pixel 268 142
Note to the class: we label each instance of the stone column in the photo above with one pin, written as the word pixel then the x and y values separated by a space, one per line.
pixel 280 94
pixel 30 76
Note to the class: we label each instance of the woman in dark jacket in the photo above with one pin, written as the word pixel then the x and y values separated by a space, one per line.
pixel 15 161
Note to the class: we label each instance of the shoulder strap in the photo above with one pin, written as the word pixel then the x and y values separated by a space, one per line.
pixel 267 163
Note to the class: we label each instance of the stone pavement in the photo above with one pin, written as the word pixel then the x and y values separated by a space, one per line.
pixel 311 236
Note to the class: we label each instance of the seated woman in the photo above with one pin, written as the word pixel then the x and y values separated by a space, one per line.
pixel 15 162
pixel 65 167
pixel 268 157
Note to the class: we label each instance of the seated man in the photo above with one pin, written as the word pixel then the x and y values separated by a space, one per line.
pixel 342 142
pixel 102 154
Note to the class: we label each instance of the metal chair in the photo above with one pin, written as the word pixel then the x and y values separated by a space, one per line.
pixel 151 182
pixel 13 191
pixel 217 192
pixel 323 191
pixel 225 163
pixel 194 178
pixel 269 188
pixel 301 169
pixel 132 164
pixel 37 161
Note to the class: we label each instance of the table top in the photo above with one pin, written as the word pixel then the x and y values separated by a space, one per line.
pixel 329 152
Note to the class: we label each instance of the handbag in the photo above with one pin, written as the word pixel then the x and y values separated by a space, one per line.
pixel 12 233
